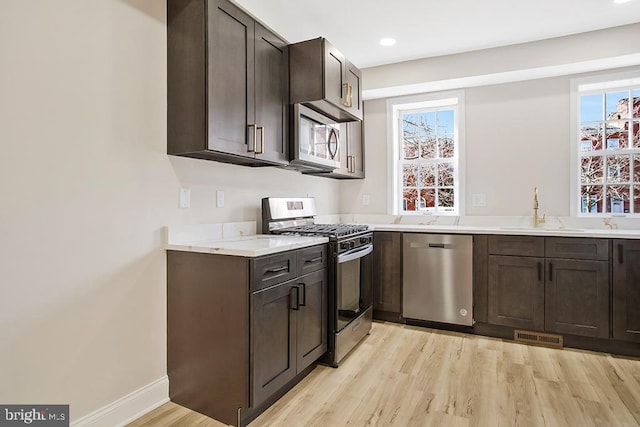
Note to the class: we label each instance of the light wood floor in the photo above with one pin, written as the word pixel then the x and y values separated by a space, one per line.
pixel 410 376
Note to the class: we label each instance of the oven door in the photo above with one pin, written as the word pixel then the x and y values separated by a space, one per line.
pixel 353 284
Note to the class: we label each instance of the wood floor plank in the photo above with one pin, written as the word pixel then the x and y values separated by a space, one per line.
pixel 411 376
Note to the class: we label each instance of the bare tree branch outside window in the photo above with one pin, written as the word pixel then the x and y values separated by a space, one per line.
pixel 429 163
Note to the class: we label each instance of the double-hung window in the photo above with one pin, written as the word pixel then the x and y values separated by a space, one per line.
pixel 608 147
pixel 427 153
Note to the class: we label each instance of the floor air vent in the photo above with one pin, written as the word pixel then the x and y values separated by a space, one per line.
pixel 550 340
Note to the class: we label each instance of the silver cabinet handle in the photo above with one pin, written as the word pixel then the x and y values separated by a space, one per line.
pixel 261 130
pixel 347 95
pixel 255 132
pixel 351 164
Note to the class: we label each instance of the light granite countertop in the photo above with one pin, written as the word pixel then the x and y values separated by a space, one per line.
pixel 604 227
pixel 508 230
pixel 238 239
pixel 241 238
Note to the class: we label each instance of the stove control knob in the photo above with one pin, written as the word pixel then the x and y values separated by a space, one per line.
pixel 365 240
pixel 344 245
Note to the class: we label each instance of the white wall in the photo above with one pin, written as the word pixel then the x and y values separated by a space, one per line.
pixel 517 133
pixel 592 51
pixel 86 188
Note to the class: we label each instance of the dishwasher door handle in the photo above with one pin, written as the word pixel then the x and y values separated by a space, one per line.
pixel 431 245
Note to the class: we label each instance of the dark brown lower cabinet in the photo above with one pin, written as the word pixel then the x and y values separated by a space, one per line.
pixel 626 290
pixel 552 284
pixel 577 297
pixel 273 331
pixel 288 331
pixel 387 276
pixel 516 292
pixel 311 322
pixel 207 333
pixel 242 331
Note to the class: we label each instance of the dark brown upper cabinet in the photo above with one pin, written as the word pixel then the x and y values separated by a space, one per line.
pixel 323 79
pixel 227 85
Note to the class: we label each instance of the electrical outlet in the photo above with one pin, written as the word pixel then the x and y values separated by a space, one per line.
pixel 220 199
pixel 366 199
pixel 478 200
pixel 185 198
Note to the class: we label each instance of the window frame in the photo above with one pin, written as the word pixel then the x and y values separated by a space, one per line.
pixel 600 84
pixel 437 100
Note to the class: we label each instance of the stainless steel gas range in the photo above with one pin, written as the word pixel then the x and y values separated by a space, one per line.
pixel 350 269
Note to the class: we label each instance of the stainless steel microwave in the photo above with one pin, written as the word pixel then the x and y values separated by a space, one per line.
pixel 316 141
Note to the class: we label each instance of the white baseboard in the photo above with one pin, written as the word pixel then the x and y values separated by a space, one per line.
pixel 129 407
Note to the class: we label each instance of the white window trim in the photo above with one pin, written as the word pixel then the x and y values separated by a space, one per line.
pixel 425 100
pixel 584 86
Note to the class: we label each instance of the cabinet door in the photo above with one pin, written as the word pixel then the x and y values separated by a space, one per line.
pixel 271 97
pixel 311 318
pixel 577 297
pixel 230 77
pixel 626 290
pixel 273 345
pixel 516 292
pixel 334 71
pixel 353 78
pixel 355 149
pixel 387 279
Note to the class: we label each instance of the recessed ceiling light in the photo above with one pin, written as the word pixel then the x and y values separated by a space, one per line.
pixel 387 41
pixel 621 1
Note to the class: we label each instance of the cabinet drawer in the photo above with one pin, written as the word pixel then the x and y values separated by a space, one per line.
pixel 516 245
pixel 577 248
pixel 311 259
pixel 273 269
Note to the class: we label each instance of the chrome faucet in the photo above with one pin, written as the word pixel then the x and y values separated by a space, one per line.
pixel 537 220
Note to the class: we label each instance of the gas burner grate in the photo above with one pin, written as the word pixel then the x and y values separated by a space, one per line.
pixel 335 230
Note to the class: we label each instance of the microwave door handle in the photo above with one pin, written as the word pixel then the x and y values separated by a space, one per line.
pixel 355 253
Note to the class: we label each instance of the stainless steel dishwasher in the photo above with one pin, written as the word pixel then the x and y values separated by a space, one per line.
pixel 437 278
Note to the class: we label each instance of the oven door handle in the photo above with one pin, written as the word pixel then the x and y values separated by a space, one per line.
pixel 355 253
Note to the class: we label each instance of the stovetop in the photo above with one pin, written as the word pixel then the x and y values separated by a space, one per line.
pixel 296 216
pixel 329 230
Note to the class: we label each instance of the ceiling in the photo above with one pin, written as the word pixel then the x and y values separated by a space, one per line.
pixel 425 28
